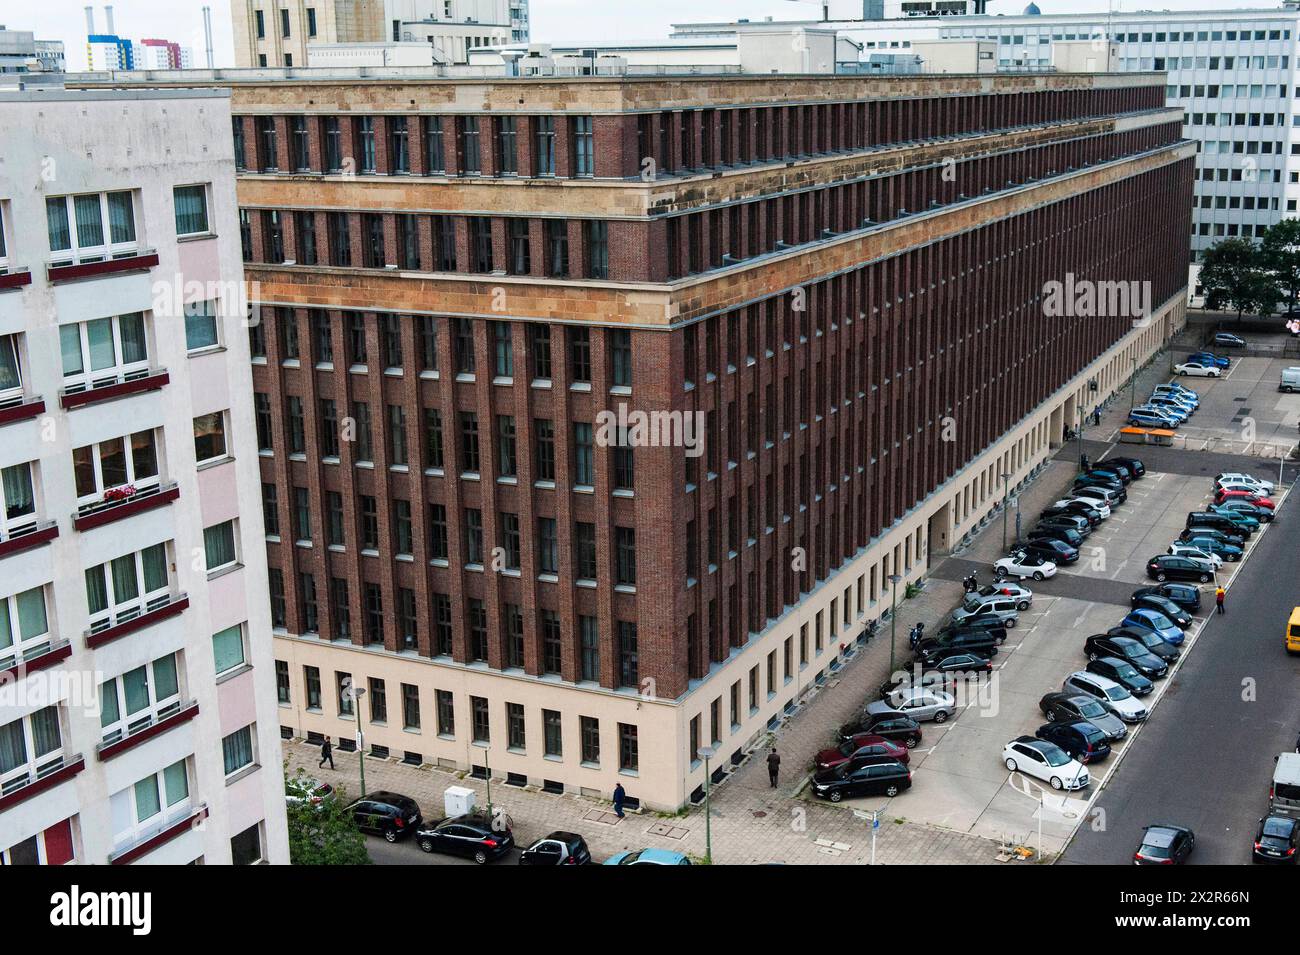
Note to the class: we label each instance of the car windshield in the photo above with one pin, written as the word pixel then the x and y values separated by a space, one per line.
pixel 1091 708
pixel 1055 756
pixel 1126 671
pixel 1279 828
pixel 1116 693
pixel 631 857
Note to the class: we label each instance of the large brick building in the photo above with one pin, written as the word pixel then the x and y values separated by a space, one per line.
pixel 841 276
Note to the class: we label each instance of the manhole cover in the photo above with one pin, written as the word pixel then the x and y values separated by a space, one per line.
pixel 671 832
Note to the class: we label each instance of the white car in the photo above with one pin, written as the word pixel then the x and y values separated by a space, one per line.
pixel 1045 761
pixel 1108 693
pixel 1192 552
pixel 1023 565
pixel 921 703
pixel 1021 594
pixel 1249 480
pixel 1196 369
pixel 1100 507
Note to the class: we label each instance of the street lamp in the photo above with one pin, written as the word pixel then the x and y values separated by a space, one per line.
pixel 1006 505
pixel 706 753
pixel 1132 384
pixel 893 616
pixel 357 693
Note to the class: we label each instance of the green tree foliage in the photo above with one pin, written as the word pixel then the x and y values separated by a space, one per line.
pixel 1280 249
pixel 323 833
pixel 1234 277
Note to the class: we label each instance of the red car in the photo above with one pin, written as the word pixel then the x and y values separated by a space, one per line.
pixel 861 749
pixel 1250 497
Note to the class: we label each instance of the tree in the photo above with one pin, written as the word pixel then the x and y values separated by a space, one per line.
pixel 1280 249
pixel 1233 276
pixel 323 833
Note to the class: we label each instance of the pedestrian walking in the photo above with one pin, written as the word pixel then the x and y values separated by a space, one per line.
pixel 1096 415
pixel 619 795
pixel 326 753
pixel 914 636
pixel 773 766
pixel 1218 599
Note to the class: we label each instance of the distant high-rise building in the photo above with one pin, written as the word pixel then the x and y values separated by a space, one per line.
pixel 21 52
pixel 161 55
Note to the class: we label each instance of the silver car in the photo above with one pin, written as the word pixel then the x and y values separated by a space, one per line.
pixel 921 703
pixel 1004 608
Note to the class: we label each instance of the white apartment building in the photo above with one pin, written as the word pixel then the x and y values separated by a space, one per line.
pixel 137 693
pixel 1233 72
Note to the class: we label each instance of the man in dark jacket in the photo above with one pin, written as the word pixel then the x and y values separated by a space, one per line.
pixel 326 752
pixel 619 795
pixel 773 766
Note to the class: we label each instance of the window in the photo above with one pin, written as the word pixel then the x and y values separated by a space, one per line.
pixel 544 432
pixel 11 378
pixel 334 526
pixel 620 355
pixel 282 682
pixel 520 259
pixel 275 585
pixel 191 209
pixel 130 462
pixel 585 550
pixel 344 698
pixel 271 510
pixel 480 243
pixel 464 347
pixel 210 436
pixel 480 726
pixel 237 750
pixel 584 467
pixel 397 436
pixel 540 349
pixel 507 145
pixel 467 134
pixel 333 136
pixel 446 713
pixel 428 332
pixel 435 161
pixel 201 325
pixel 408 242
pixel 311 678
pixel 228 648
pixel 104 351
pixel 433 446
pixel 340 240
pixel 237 136
pixel 625 556
pixel 478 636
pixel 374 609
pixel 378 701
pixel 410 706
pixel 557 248
pixel 150 806
pixel 548 561
pixel 469 450
pixel 437 532
pixel 127 586
pixel 589 646
pixel 402 531
pixel 544 145
pixel 579 355
pixel 339 607
pixel 219 545
pixel 365 143
pixel 17 500
pixel 246 847
pixel 262 420
pixel 552 734
pixel 515 730
pixel 589 732
pixel 24 627
pixel 140 698
pixel 628 756
pixel 584 163
pixel 596 235
pixel 373 246
pixel 76 227
pixel 502 350
pixel 284 22
pixel 369 522
pixel 399 153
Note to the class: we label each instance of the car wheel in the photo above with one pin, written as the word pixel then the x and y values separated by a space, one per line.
pixel 1236 557
pixel 1182 374
pixel 999 573
pixel 390 835
pixel 1038 575
pixel 1011 623
pixel 1023 605
pixel 1056 783
pixel 480 856
pixel 891 791
pixel 1161 577
pixel 1051 716
pixel 941 716
pixel 1011 765
pixel 426 845
pixel 1205 578
pixel 1091 657
pixel 911 742
pixel 835 795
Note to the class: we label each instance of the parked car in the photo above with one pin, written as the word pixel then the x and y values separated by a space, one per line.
pixel 1234 540
pixel 875 779
pixel 966 661
pixel 1023 565
pixel 1239 522
pixel 1168 567
pixel 1165 845
pixel 1080 739
pixel 648 857
pixel 1209 358
pixel 1007 588
pixel 1170 406
pixel 386 814
pixel 1164 606
pixel 1044 531
pixel 1262 515
pixel 1071 522
pixel 1106 692
pixel 976 621
pixel 1069 707
pixel 894 727
pixel 1126 648
pixel 921 703
pixel 1177 388
pixel 1094 511
pixel 558 848
pixel 1081 509
pixel 997 606
pixel 474 835
pixel 1214 546
pixel 1045 761
pixel 932 649
pixel 1181 548
pixel 1148 638
pixel 1150 418
pixel 1189 598
pixel 1241 477
pixel 1223 495
pixel 1232 484
pixel 1135 467
pixel 1198 369
pixel 1097 478
pixel 1057 552
pixel 1123 673
pixel 863 748
pixel 304 790
pixel 1228 340
pixel 1093 489
pixel 1277 840
pixel 1290 379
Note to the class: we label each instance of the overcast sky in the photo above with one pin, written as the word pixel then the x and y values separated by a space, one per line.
pixel 557 21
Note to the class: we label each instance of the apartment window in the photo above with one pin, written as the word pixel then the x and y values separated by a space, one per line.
pixel 329 429
pixel 467 135
pixel 596 234
pixel 237 135
pixel 514 626
pixel 284 22
pixel 300 143
pixel 464 347
pixel 365 143
pixel 473 536
pixel 628 659
pixel 130 462
pixel 410 706
pixel 397 435
pixel 262 420
pixel 311 678
pixel 11 377
pixel 480 728
pixel 272 236
pixel 77 232
pixel 446 712
pixel 151 805
pixel 507 145
pixel 544 435
pixel 520 260
pixel 544 145
pixel 478 636
pixel 104 351
pixel 127 586
pixel 444 237
pixel 435 161
pixel 17 500
pixel 266 143
pixel 200 326
pixel 358 351
pixel 433 441
pixel 552 734
pixel 340 240
pixel 374 614
pixel 246 239
pixel 629 759
pixel 589 734
pixel 275 586
pixel 506 448
pixel 296 425
pixel 540 347
pixel 361 422
pixel 620 357
pixel 402 532
pixel 372 227
pixel 584 466
pixel 480 243
pixel 515 731
pixel 548 561
pixel 24 626
pixel 378 701
pixel 219 545
pixel 369 522
pixel 469 450
pixel 557 248
pixel 237 750
pixel 228 648
pixel 210 436
pixel 584 539
pixel 584 162
pixel 625 556
pixel 191 204
pixel 270 510
pixel 579 355
pixel 399 151
pixel 282 682
pixel 408 242
pixel 333 136
pixel 503 353
pixel 340 608
pixel 334 525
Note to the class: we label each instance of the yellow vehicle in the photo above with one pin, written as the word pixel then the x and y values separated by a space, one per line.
pixel 1293 632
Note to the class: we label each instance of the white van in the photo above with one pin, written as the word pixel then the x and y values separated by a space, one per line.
pixel 1290 379
pixel 1284 794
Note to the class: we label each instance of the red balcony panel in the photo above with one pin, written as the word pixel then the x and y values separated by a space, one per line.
pixel 42 535
pixel 183 715
pixel 150 382
pixel 132 263
pixel 22 412
pixel 15 279
pixel 137 623
pixel 126 507
pixel 74 765
pixel 127 856
pixel 55 654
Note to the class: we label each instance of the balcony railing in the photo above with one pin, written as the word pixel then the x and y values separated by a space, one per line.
pixel 20 408
pixel 15 279
pixel 175 825
pixel 36 657
pixel 104 512
pixel 108 387
pixel 25 538
pixel 135 618
pixel 147 727
pixel 44 776
pixel 137 262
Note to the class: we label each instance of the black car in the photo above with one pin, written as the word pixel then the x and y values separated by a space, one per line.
pixel 1165 845
pixel 473 835
pixel 1080 739
pixel 874 779
pixel 1055 551
pixel 1048 532
pixel 559 848
pixel 386 814
pixel 1126 648
pixel 1119 473
pixel 1073 509
pixel 1236 540
pixel 962 661
pixel 1107 481
pixel 1277 840
pixel 1071 707
pixel 1123 673
pixel 1189 598
pixel 1072 522
pixel 1219 522
pixel 1170 567
pixel 894 727
pixel 1179 616
pixel 1149 639
pixel 1135 467
pixel 979 621
pixel 979 641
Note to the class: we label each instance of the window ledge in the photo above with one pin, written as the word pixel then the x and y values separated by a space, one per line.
pixel 214 462
pixel 239 774
pixel 222 571
pixel 233 672
pixel 140 262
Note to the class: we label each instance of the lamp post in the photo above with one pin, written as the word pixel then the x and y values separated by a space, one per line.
pixel 893 616
pixel 706 753
pixel 357 693
pixel 1006 505
pixel 1079 434
pixel 1132 384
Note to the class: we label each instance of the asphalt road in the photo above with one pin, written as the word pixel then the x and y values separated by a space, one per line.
pixel 1205 757
pixel 406 852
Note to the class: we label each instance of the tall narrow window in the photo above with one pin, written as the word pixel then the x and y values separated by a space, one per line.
pixel 584 161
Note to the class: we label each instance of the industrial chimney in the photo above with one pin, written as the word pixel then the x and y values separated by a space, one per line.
pixel 108 13
pixel 207 33
pixel 90 21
